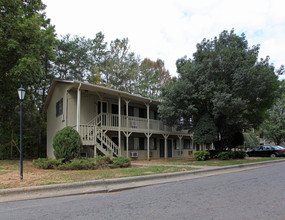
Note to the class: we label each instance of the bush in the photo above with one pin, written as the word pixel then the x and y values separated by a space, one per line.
pixel 67 144
pixel 120 162
pixel 75 164
pixel 224 155
pixel 232 155
pixel 202 155
pixel 213 153
pixel 103 161
pixel 238 154
pixel 44 163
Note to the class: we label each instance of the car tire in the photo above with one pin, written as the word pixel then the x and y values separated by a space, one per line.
pixel 272 155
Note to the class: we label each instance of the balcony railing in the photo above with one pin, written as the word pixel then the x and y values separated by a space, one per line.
pixel 111 121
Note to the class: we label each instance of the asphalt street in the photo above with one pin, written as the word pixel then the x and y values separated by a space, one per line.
pixel 251 194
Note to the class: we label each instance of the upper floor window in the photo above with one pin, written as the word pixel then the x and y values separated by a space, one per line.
pixel 59 107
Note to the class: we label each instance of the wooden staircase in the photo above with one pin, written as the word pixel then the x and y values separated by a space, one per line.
pixel 99 138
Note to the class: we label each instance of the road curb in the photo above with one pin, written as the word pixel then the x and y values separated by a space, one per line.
pixel 104 185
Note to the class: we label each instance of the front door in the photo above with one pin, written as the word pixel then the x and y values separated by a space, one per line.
pixel 169 148
pixel 161 148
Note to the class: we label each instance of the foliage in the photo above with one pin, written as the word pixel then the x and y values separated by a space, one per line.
pixel 152 76
pixel 224 80
pixel 67 144
pixel 250 140
pixel 82 164
pixel 44 163
pixel 238 154
pixel 232 155
pixel 103 161
pixel 76 164
pixel 274 126
pixel 202 155
pixel 27 42
pixel 120 162
pixel 224 155
pixel 205 131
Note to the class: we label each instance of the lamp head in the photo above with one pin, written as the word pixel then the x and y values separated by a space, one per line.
pixel 21 93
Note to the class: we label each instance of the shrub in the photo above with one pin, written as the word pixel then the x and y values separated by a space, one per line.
pixel 75 164
pixel 103 161
pixel 202 155
pixel 67 144
pixel 238 154
pixel 213 153
pixel 44 163
pixel 120 162
pixel 224 155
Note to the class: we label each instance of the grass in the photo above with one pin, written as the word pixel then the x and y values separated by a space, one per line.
pixel 213 162
pixel 10 169
pixel 9 174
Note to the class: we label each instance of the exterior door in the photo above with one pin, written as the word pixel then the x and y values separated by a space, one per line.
pixel 161 148
pixel 169 148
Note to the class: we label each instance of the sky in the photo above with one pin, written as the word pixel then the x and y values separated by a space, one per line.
pixel 171 29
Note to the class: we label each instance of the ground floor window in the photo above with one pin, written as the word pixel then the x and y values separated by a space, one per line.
pixel 187 144
pixel 176 144
pixel 140 143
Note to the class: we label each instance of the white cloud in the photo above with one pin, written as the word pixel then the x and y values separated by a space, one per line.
pixel 170 29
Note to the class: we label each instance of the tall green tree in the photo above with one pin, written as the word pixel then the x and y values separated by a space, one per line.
pixel 27 43
pixel 121 68
pixel 273 128
pixel 152 77
pixel 73 60
pixel 224 80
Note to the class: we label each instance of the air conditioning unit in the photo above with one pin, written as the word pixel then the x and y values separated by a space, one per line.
pixel 134 124
pixel 134 154
pixel 83 155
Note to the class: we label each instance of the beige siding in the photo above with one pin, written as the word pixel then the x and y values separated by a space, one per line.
pixel 54 123
pixel 88 107
pixel 71 109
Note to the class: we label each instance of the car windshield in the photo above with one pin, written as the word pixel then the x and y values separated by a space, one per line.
pixel 278 147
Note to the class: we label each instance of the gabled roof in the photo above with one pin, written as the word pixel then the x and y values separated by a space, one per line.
pixel 74 84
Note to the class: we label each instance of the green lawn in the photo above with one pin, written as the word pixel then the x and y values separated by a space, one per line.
pixel 9 174
pixel 222 162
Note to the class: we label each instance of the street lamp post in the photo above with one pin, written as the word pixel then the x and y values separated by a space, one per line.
pixel 21 93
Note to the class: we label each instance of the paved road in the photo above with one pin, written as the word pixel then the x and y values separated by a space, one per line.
pixel 252 194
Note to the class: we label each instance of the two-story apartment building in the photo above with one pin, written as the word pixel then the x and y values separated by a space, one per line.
pixel 112 122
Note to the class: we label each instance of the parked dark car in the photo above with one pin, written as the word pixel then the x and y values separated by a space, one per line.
pixel 266 151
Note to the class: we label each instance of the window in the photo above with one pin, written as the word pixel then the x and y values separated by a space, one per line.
pixel 176 144
pixel 131 143
pixel 152 114
pixel 59 107
pixel 141 143
pixel 104 107
pixel 152 143
pixel 142 113
pixel 186 144
pixel 115 109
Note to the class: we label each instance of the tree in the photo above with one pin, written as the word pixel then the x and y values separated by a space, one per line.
pixel 152 77
pixel 274 126
pixel 224 80
pixel 121 68
pixel 73 60
pixel 27 43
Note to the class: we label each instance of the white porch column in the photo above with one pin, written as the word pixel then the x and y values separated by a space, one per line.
pixel 180 143
pixel 127 136
pixel 165 145
pixel 78 108
pixel 119 128
pixel 148 136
